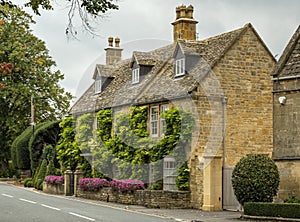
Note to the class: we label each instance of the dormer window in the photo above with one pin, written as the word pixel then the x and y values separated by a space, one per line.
pixel 179 67
pixel 135 75
pixel 98 84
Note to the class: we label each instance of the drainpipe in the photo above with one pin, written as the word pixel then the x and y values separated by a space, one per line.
pixel 224 103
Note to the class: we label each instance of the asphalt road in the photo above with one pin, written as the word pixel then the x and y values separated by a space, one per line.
pixel 21 205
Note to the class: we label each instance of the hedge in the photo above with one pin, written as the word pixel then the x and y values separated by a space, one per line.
pixel 45 133
pixel 22 151
pixel 285 210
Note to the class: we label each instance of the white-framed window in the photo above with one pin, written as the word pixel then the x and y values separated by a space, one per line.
pixel 162 127
pixel 135 75
pixel 180 67
pixel 154 121
pixel 157 121
pixel 98 84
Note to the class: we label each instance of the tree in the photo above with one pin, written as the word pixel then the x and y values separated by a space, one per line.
pixel 255 178
pixel 28 71
pixel 88 11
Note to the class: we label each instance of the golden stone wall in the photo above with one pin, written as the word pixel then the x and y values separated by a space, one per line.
pixel 244 77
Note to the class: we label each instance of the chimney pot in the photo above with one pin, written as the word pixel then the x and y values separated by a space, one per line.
pixel 110 41
pixel 117 42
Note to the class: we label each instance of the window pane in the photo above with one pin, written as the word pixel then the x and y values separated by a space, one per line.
pixel 97 86
pixel 179 67
pixel 154 121
pixel 135 75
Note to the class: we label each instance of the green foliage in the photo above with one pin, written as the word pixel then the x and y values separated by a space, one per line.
pixel 68 150
pixel 285 210
pixel 31 73
pixel 20 144
pixel 255 178
pixel 88 10
pixel 143 150
pixel 28 182
pixel 46 134
pixel 10 172
pixel 51 168
pixel 183 178
pixel 292 199
pixel 131 144
pixel 104 118
pixel 41 175
pixel 157 186
pixel 138 121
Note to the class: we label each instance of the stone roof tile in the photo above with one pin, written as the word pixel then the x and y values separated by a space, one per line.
pixel 289 62
pixel 159 84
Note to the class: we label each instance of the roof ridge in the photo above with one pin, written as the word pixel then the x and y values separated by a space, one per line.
pixel 287 52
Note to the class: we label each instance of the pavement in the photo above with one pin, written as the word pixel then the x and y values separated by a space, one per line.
pixel 183 215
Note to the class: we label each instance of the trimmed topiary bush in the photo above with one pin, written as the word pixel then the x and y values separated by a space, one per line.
pixel 28 182
pixel 51 168
pixel 41 175
pixel 255 178
pixel 285 210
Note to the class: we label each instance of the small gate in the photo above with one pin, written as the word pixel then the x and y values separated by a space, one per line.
pixel 229 199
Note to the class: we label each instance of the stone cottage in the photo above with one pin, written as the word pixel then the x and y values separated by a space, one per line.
pixel 224 80
pixel 286 98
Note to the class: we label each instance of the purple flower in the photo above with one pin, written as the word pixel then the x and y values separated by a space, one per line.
pixel 52 179
pixel 127 185
pixel 93 184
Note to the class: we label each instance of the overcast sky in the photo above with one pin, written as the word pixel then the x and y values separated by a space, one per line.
pixel 144 24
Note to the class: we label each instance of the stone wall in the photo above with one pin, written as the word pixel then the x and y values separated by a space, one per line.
pixel 147 198
pixel 289 178
pixel 57 189
pixel 287 120
pixel 235 97
pixel 244 75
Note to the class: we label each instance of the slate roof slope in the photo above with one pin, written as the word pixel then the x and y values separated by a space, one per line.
pixel 159 84
pixel 209 51
pixel 86 103
pixel 121 91
pixel 104 70
pixel 289 62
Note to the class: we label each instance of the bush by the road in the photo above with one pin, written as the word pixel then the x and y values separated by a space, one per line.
pixel 286 210
pixel 292 199
pixel 255 178
pixel 28 182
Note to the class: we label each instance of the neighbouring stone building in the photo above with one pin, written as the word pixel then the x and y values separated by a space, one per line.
pixel 286 98
pixel 224 80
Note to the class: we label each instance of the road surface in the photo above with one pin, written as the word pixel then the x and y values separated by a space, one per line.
pixel 23 205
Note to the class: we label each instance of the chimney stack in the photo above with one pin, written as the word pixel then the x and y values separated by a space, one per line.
pixel 184 26
pixel 113 53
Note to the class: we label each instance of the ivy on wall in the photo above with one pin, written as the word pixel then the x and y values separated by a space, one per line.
pixel 128 140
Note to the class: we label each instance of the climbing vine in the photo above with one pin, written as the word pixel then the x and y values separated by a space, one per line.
pixel 128 140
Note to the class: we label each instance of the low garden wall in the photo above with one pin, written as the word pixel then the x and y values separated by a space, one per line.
pixel 147 198
pixel 57 189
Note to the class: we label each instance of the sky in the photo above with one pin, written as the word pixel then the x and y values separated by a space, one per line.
pixel 143 25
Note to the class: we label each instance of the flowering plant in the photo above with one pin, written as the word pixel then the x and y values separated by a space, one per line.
pixel 54 179
pixel 127 185
pixel 93 184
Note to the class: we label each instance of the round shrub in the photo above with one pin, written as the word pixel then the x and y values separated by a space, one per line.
pixel 28 182
pixel 255 178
